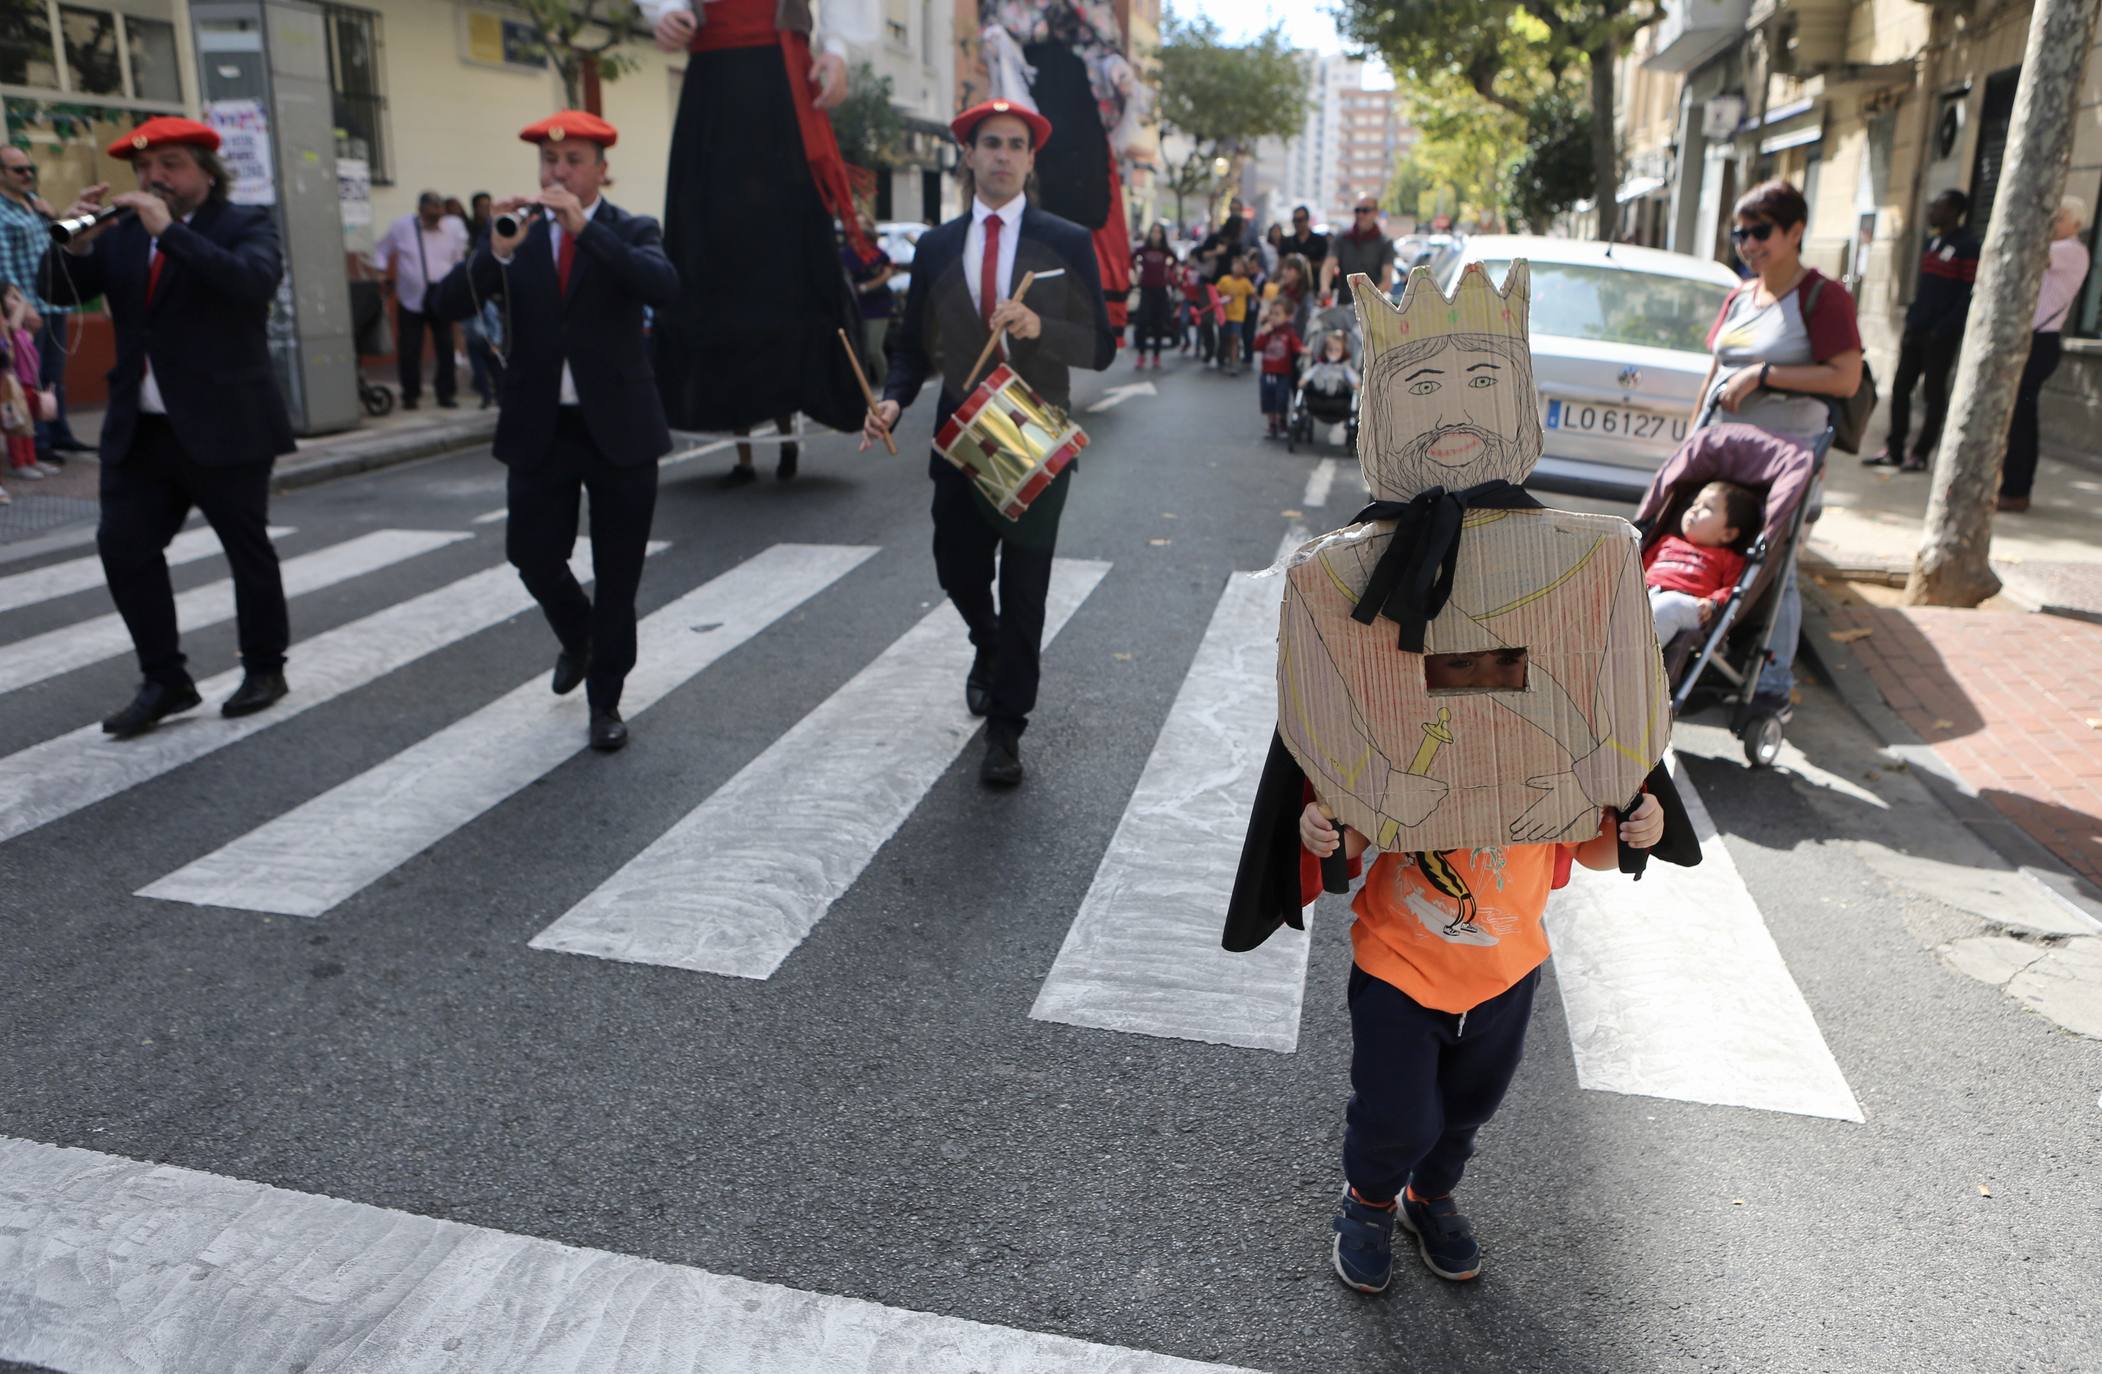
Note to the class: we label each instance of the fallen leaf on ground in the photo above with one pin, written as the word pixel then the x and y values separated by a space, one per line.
pixel 1291 514
pixel 1123 658
pixel 1169 515
pixel 1984 1191
pixel 1849 636
pixel 2094 722
pixel 1160 543
pixel 1737 1202
pixel 1942 724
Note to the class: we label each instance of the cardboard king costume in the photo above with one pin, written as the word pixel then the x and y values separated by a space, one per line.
pixel 1562 707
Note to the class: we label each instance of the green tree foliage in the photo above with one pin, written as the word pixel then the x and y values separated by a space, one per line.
pixel 1555 170
pixel 867 124
pixel 578 36
pixel 1460 162
pixel 1514 54
pixel 1226 97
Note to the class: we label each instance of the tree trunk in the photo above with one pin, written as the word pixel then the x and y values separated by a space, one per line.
pixel 1605 162
pixel 1953 566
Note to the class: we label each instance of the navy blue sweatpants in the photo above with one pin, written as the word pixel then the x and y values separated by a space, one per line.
pixel 1422 1082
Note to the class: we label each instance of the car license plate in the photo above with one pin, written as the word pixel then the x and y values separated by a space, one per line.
pixel 1578 417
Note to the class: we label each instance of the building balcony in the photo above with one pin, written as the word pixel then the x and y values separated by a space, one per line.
pixel 1692 31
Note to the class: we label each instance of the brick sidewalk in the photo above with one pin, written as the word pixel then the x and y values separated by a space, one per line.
pixel 2011 701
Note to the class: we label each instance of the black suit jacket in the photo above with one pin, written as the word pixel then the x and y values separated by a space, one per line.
pixel 941 320
pixel 206 331
pixel 596 328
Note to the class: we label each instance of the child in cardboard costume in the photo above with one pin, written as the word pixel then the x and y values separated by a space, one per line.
pixel 1471 685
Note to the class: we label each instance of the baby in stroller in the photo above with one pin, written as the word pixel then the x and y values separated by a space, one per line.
pixel 1327 393
pixel 1691 574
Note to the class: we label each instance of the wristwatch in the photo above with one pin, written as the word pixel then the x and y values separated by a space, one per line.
pixel 1764 368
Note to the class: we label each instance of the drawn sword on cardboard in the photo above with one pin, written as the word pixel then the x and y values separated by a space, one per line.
pixel 1573 711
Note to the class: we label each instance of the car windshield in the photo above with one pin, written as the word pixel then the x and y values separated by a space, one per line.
pixel 1619 305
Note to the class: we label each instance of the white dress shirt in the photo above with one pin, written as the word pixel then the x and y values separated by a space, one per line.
pixel 150 402
pixel 974 246
pixel 443 248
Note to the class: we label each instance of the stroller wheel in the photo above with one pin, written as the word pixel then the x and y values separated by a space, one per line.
pixel 377 400
pixel 1762 740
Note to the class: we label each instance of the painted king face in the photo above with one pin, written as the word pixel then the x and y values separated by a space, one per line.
pixel 1450 411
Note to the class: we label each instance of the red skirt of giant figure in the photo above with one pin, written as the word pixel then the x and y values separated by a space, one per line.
pixel 754 187
pixel 1076 174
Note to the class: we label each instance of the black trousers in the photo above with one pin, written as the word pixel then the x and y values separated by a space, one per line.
pixel 971 542
pixel 2018 472
pixel 1422 1082
pixel 1921 356
pixel 145 500
pixel 542 532
pixel 1156 326
pixel 408 350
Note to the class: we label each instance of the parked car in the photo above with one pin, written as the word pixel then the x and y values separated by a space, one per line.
pixel 1435 251
pixel 1619 339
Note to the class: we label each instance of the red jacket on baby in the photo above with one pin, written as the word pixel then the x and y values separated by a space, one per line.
pixel 1680 565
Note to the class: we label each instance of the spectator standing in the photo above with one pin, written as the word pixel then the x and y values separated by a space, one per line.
pixel 25 399
pixel 1306 243
pixel 1273 249
pixel 1933 332
pixel 1365 248
pixel 1155 264
pixel 1216 254
pixel 415 254
pixel 482 331
pixel 25 232
pixel 478 218
pixel 1234 291
pixel 1279 346
pixel 1785 345
pixel 871 276
pixel 1294 286
pixel 2064 271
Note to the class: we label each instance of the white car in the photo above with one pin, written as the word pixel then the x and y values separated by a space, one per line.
pixel 899 239
pixel 1619 351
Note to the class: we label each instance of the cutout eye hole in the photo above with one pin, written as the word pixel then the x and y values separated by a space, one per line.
pixel 1491 670
pixel 1423 388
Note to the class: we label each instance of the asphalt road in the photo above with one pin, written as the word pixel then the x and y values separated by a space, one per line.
pixel 881 1118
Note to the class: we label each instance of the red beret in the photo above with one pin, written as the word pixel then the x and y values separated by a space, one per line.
pixel 965 125
pixel 164 131
pixel 580 124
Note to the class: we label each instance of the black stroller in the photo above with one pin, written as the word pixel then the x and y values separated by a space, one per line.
pixel 1720 665
pixel 370 337
pixel 1327 409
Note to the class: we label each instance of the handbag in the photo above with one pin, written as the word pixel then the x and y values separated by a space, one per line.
pixel 1851 415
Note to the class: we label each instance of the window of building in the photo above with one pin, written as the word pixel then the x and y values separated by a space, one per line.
pixel 154 74
pixel 357 81
pixel 26 55
pixel 92 51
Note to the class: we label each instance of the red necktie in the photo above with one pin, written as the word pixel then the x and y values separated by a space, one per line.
pixel 989 273
pixel 568 256
pixel 153 274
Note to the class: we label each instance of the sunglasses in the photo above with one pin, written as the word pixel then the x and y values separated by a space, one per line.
pixel 1761 232
pixel 24 168
pixel 1368 209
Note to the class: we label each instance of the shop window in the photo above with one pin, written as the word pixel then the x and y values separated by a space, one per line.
pixel 1995 118
pixel 26 55
pixel 91 50
pixel 358 85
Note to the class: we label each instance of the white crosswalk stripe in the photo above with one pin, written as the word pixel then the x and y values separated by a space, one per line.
pixel 61 775
pixel 80 574
pixel 738 883
pixel 1143 953
pixel 110 1266
pixel 317 855
pixel 75 646
pixel 1674 988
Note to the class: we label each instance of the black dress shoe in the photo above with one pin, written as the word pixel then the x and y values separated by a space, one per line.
pixel 740 474
pixel 978 687
pixel 608 733
pixel 569 671
pixel 1002 765
pixel 785 470
pixel 408 403
pixel 256 691
pixel 155 702
pixel 448 403
pixel 71 446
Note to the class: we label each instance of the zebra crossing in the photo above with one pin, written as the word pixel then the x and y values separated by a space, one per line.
pixel 739 883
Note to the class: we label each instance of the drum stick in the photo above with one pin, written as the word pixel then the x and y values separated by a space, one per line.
pixel 971 378
pixel 867 395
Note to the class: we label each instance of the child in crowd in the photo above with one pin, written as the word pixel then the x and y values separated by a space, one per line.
pixel 1200 305
pixel 1234 290
pixel 1279 346
pixel 24 402
pixel 1690 574
pixel 1438 1007
pixel 1332 372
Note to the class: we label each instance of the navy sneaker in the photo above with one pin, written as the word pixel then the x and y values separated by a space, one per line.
pixel 1364 1248
pixel 1443 1237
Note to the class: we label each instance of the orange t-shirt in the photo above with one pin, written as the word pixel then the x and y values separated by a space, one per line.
pixel 1454 937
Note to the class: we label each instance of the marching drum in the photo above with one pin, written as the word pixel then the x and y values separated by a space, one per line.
pixel 1009 441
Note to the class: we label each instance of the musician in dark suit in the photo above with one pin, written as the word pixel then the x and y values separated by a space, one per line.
pixel 963 276
pixel 194 416
pixel 580 405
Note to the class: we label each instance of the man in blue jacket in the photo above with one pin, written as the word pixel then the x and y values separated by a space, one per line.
pixel 580 404
pixel 963 279
pixel 194 416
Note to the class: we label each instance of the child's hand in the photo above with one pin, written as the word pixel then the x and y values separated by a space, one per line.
pixel 1317 832
pixel 1707 611
pixel 1644 826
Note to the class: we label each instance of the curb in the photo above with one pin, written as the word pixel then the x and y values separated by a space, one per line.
pixel 1838 666
pixel 349 458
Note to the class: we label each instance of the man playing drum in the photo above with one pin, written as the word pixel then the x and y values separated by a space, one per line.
pixel 964 275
